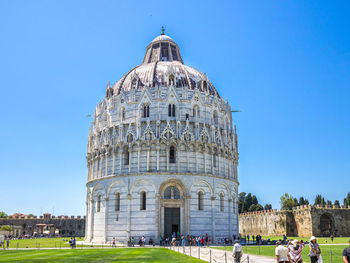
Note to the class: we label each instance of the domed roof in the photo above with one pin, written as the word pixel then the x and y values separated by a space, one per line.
pixel 163 66
pixel 163 38
pixel 159 73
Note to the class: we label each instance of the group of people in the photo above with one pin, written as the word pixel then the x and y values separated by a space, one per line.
pixel 73 242
pixel 256 238
pixel 292 252
pixel 189 240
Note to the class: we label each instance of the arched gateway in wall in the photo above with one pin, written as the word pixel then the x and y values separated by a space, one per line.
pixel 162 154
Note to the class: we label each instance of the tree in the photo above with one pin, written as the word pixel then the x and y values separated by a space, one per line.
pixel 6 228
pixel 319 200
pixel 254 200
pixel 241 199
pixel 268 207
pixel 248 201
pixel 337 203
pixel 3 214
pixel 287 202
pixel 296 203
pixel 347 200
pixel 329 202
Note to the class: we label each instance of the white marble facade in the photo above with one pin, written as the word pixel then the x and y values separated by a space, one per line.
pixel 162 138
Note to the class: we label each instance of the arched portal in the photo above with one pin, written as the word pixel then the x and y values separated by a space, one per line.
pixel 326 225
pixel 173 205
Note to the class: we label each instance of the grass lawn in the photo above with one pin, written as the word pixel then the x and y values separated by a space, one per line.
pixel 320 240
pixel 95 255
pixel 42 242
pixel 337 252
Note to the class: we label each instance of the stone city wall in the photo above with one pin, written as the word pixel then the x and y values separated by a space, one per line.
pixel 302 221
pixel 28 225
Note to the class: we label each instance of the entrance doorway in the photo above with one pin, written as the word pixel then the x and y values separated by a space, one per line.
pixel 171 221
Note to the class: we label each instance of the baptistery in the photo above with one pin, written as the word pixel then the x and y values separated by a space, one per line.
pixel 162 154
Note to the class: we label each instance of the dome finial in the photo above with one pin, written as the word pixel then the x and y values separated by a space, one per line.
pixel 163 30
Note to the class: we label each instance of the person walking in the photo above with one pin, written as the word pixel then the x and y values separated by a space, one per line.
pixel 281 252
pixel 315 251
pixel 7 243
pixel 207 239
pixel 295 248
pixel 346 254
pixel 237 252
pixel 113 243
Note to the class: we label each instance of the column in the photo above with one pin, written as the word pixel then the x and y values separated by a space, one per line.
pixel 106 218
pixel 121 160
pixel 158 158
pixel 212 162
pixel 106 164
pixel 229 217
pixel 204 160
pixel 129 216
pixel 213 217
pixel 196 157
pixel 167 159
pixel 92 208
pixel 148 150
pixel 130 158
pixel 138 159
pixel 113 163
pixel 101 166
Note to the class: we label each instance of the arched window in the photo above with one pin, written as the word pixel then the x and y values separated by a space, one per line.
pixel 126 157
pixel 215 117
pixel 122 114
pixel 171 110
pixel 98 203
pixel 200 200
pixel 117 202
pixel 172 153
pixel 146 111
pixel 222 202
pixel 130 137
pixel 171 79
pixel 143 201
pixel 171 193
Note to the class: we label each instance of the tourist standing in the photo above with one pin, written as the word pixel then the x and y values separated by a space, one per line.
pixel 207 239
pixel 7 243
pixel 346 254
pixel 113 243
pixel 237 252
pixel 248 237
pixel 281 252
pixel 295 250
pixel 315 251
pixel 332 238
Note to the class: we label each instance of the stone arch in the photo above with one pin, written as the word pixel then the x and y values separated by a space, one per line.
pixel 326 225
pixel 114 183
pixel 97 188
pixel 140 182
pixel 173 182
pixel 203 182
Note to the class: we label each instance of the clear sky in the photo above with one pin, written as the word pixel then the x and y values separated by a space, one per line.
pixel 285 64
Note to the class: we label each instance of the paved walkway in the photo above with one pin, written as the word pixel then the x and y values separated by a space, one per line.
pixel 220 256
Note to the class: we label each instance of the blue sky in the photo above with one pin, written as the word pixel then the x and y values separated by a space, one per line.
pixel 285 64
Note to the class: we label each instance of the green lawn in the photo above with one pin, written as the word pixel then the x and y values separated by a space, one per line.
pixel 41 243
pixel 95 255
pixel 337 252
pixel 320 240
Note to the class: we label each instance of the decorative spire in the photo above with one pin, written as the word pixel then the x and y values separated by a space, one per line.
pixel 163 30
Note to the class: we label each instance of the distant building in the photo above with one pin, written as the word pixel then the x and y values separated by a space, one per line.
pixel 44 225
pixel 303 221
pixel 162 154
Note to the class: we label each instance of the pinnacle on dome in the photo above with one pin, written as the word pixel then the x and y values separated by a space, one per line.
pixel 162 48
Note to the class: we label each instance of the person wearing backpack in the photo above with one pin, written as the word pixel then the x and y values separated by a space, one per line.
pixel 237 252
